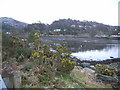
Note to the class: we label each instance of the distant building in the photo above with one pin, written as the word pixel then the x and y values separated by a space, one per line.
pixel 80 26
pixel 119 33
pixel 8 32
pixel 56 30
pixel 94 25
pixel 24 39
pixel 72 25
pixel 115 36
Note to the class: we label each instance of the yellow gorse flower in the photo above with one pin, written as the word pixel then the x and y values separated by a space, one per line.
pixel 36 34
pixel 41 51
pixel 73 62
pixel 35 54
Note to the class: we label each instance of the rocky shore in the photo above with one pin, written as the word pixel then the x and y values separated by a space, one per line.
pixel 107 61
pixel 91 68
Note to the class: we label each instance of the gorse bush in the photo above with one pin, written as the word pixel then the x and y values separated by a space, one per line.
pixel 27 67
pixel 58 61
pixel 26 52
pixel 104 69
pixel 13 47
pixel 65 64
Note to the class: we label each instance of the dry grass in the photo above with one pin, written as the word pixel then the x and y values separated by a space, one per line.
pixel 75 79
pixel 88 81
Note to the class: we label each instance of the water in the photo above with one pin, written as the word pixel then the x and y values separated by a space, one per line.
pixel 110 51
pixel 89 48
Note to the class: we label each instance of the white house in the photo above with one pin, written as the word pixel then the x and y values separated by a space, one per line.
pixel 56 30
pixel 72 25
pixel 8 32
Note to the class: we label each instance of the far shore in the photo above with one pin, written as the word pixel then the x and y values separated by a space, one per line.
pixel 70 36
pixel 81 36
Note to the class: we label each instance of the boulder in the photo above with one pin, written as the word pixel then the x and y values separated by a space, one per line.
pixel 88 71
pixel 106 78
pixel 74 58
pixel 92 67
pixel 84 64
pixel 79 68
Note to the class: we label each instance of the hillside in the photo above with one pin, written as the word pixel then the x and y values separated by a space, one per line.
pixel 73 27
pixel 61 27
pixel 11 24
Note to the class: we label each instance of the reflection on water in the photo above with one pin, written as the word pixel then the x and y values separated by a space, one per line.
pixel 108 52
pixel 88 48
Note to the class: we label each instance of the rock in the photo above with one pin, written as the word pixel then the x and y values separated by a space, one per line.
pixel 118 75
pixel 92 67
pixel 78 64
pixel 74 58
pixel 79 68
pixel 88 71
pixel 106 78
pixel 114 65
pixel 17 79
pixel 84 64
pixel 111 57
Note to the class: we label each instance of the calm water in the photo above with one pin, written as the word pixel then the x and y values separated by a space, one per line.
pixel 105 53
pixel 88 48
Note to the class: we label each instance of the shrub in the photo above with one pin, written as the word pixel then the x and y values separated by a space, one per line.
pixel 65 65
pixel 45 75
pixel 12 46
pixel 26 52
pixel 27 67
pixel 4 55
pixel 60 60
pixel 104 69
pixel 24 81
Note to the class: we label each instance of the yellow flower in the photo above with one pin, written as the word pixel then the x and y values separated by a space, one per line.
pixel 41 51
pixel 36 34
pixel 62 61
pixel 73 62
pixel 35 54
pixel 106 69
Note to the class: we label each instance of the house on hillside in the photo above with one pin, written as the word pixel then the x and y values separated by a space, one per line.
pixel 8 32
pixel 116 35
pixel 57 30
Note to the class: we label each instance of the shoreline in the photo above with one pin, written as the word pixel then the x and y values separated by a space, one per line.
pixel 107 61
pixel 78 36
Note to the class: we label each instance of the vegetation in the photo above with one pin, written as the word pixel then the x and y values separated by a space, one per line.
pixel 7 27
pixel 44 66
pixel 59 61
pixel 39 60
pixel 61 27
pixel 74 27
pixel 41 67
pixel 105 69
pixel 12 47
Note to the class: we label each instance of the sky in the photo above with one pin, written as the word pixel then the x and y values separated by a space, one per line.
pixel 47 11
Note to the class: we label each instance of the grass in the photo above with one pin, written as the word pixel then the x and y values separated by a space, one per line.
pixel 88 81
pixel 77 79
pixel 40 79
